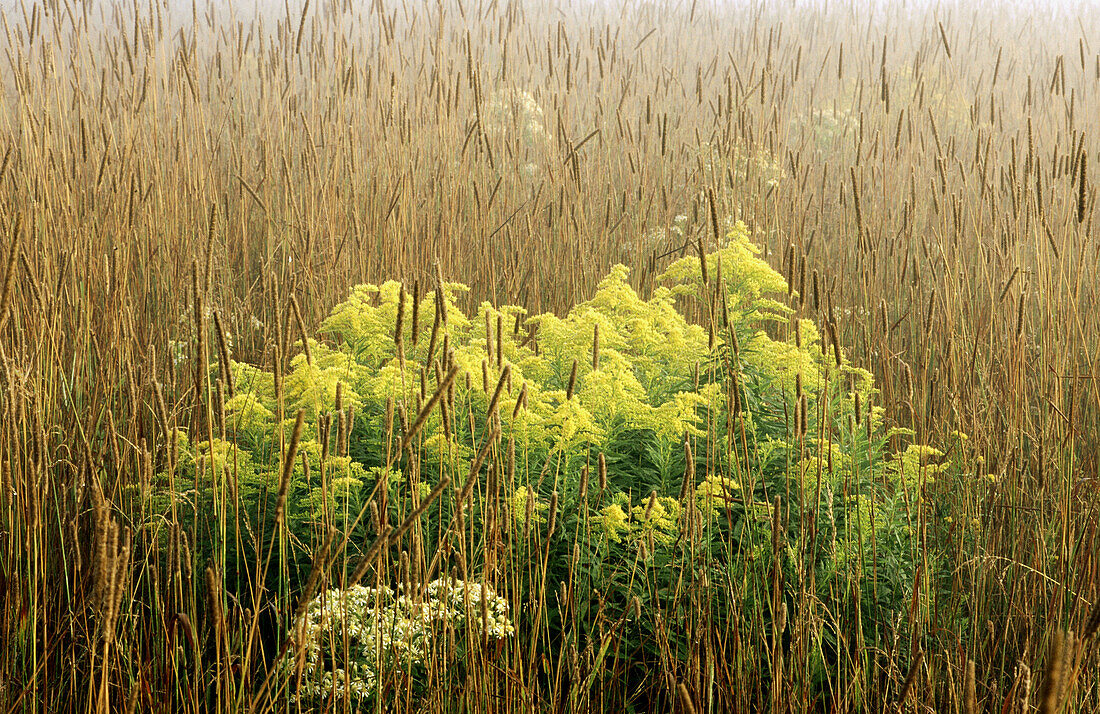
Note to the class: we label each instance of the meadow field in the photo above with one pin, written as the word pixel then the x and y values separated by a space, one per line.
pixel 549 356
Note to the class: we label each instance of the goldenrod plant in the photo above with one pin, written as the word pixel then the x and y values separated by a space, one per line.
pixel 572 441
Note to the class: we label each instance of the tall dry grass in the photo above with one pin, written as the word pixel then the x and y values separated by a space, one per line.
pixel 162 165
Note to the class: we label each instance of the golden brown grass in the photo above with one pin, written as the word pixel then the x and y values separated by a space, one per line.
pixel 162 164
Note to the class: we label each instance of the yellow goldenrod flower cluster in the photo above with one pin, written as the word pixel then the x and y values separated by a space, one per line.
pixel 615 522
pixel 716 492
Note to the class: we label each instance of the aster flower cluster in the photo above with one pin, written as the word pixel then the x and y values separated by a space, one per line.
pixel 452 596
pixel 348 637
pixel 513 110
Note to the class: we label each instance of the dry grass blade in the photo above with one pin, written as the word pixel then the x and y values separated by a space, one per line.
pixel 428 407
pixel 494 401
pixel 970 687
pixel 910 678
pixel 1051 688
pixel 9 269
pixel 413 517
pixel 288 465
